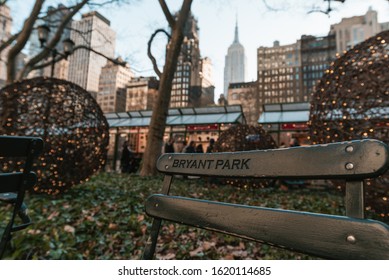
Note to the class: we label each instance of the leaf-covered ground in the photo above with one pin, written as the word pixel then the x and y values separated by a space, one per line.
pixel 104 219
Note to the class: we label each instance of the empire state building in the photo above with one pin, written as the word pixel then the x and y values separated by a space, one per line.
pixel 235 63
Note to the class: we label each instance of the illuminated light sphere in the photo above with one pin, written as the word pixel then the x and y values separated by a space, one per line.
pixel 69 120
pixel 245 138
pixel 351 102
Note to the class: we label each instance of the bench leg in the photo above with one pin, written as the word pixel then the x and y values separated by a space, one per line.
pixel 152 240
pixel 151 243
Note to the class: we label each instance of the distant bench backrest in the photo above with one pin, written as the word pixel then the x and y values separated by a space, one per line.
pixel 14 184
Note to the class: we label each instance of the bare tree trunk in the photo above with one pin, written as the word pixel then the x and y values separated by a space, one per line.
pixel 161 106
pixel 22 40
pixel 10 104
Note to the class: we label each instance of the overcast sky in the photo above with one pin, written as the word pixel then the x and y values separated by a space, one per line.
pixel 259 25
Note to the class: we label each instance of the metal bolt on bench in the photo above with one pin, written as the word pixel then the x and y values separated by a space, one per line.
pixel 326 236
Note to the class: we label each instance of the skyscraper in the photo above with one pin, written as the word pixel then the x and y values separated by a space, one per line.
pixel 141 93
pixel 279 73
pixel 351 31
pixel 113 81
pixel 207 85
pixel 192 83
pixel 235 63
pixel 92 31
pixel 186 88
pixel 317 53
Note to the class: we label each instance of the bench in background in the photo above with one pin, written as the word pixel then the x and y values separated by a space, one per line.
pixel 14 184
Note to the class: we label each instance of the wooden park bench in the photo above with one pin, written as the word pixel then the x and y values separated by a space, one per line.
pixel 325 236
pixel 14 184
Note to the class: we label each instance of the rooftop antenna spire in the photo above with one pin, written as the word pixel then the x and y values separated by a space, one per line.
pixel 236 39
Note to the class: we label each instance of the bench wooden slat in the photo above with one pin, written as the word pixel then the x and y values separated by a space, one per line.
pixel 19 146
pixel 11 182
pixel 356 159
pixel 326 236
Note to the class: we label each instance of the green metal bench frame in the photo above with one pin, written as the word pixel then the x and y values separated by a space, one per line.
pixel 13 185
pixel 326 236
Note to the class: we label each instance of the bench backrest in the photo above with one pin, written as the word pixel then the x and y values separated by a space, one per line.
pixel 13 184
pixel 326 236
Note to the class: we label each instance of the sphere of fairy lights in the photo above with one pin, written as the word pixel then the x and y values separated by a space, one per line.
pixel 243 137
pixel 68 119
pixel 351 102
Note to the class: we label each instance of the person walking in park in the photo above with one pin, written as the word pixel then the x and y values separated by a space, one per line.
pixel 211 145
pixel 191 148
pixel 199 147
pixel 169 146
pixel 126 157
pixel 294 142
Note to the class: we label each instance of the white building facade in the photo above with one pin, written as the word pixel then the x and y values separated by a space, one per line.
pixel 354 30
pixel 235 63
pixel 92 31
pixel 113 80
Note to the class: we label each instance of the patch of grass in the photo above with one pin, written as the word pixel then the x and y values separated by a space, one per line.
pixel 104 219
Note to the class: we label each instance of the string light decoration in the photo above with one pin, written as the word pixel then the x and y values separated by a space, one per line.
pixel 351 102
pixel 70 122
pixel 242 137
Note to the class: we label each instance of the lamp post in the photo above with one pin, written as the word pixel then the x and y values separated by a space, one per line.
pixel 68 46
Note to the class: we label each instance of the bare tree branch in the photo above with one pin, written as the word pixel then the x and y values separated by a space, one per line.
pixel 107 2
pixel 161 106
pixel 60 57
pixel 170 19
pixel 84 34
pixel 114 60
pixel 22 39
pixel 8 42
pixel 328 10
pixel 60 27
pixel 53 42
pixel 150 55
pixel 268 7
